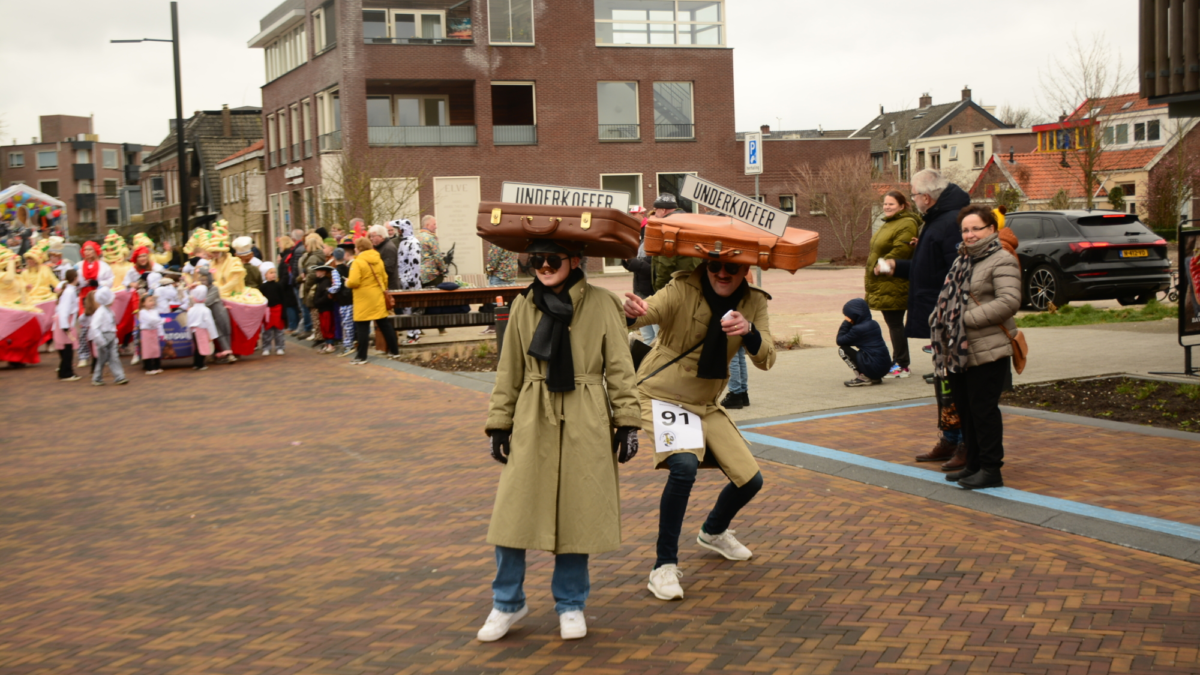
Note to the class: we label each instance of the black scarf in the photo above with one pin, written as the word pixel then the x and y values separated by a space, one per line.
pixel 714 355
pixel 552 340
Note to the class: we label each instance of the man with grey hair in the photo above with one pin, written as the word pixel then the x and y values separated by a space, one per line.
pixel 433 267
pixel 939 201
pixel 386 248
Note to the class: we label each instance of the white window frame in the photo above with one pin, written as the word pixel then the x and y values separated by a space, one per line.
pixel 104 155
pixel 691 113
pixel 533 91
pixel 637 107
pixel 42 187
pixel 634 200
pixel 84 187
pixel 83 156
pixel 307 124
pixel 953 153
pixel 979 155
pixel 658 180
pixel 272 141
pixel 297 139
pixel 533 17
pixel 791 211
pixel 273 215
pixel 421 106
pixel 391 21
pixel 284 146
pixel 318 18
pixel 676 23
pixel 325 111
pixel 16 155
pixel 822 199
pixel 287 52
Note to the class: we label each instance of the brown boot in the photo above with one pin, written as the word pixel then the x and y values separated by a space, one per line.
pixel 942 451
pixel 959 460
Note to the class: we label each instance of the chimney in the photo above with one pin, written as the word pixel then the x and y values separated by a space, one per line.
pixel 926 100
pixel 881 109
pixel 966 93
pixel 1011 150
pixel 226 121
pixel 765 129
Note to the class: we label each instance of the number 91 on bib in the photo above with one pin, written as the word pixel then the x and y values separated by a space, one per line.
pixel 676 428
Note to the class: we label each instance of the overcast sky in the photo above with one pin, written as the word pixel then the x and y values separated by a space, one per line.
pixel 797 63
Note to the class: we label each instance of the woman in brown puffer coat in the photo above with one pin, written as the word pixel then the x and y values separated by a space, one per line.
pixel 889 294
pixel 971 325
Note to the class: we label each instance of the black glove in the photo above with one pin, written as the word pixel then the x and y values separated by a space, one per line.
pixel 94 283
pixel 500 447
pixel 625 443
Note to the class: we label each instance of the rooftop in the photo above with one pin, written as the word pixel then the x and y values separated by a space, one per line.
pixel 1040 175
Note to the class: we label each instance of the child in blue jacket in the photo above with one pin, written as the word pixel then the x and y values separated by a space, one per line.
pixel 861 345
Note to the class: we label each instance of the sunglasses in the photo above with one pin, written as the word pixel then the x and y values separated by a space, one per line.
pixel 536 261
pixel 730 268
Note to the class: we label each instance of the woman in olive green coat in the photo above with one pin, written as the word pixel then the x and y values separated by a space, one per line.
pixel 565 380
pixel 889 294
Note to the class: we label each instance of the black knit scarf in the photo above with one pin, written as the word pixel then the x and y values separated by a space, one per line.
pixel 552 340
pixel 714 356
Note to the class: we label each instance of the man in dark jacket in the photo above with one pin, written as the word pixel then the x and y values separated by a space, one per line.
pixel 386 248
pixel 939 201
pixel 861 346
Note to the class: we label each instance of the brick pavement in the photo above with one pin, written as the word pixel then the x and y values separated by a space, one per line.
pixel 184 524
pixel 1119 470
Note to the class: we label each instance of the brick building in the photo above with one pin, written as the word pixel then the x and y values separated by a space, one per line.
pixel 209 137
pixel 243 193
pixel 68 161
pixel 464 95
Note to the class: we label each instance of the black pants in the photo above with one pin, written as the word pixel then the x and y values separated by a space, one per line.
pixel 673 506
pixel 389 336
pixel 197 358
pixel 66 362
pixel 849 357
pixel 894 318
pixel 976 394
pixel 151 364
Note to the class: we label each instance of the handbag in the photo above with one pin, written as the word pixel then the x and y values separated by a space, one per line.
pixel 388 300
pixel 1020 349
pixel 948 418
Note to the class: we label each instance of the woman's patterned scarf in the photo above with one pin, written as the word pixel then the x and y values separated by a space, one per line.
pixel 951 348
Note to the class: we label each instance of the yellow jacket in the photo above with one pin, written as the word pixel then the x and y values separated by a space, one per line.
pixel 368 280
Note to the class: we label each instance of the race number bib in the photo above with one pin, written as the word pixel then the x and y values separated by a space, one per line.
pixel 676 428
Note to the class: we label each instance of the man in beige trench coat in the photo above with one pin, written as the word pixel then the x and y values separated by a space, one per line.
pixel 565 380
pixel 704 317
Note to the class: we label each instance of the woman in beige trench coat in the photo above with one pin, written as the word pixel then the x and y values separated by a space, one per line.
pixel 714 310
pixel 565 380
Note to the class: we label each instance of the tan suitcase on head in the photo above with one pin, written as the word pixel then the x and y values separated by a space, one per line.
pixel 606 233
pixel 728 240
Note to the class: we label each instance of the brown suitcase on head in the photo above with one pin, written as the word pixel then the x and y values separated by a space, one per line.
pixel 606 233
pixel 729 240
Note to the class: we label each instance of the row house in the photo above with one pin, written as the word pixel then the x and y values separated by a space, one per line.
pixel 243 193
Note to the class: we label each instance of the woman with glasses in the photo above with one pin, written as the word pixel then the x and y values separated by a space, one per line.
pixel 564 382
pixel 971 325
pixel 704 317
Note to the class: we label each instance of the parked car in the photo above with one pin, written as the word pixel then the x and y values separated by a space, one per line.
pixel 1088 255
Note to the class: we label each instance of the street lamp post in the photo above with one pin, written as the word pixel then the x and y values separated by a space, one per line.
pixel 184 196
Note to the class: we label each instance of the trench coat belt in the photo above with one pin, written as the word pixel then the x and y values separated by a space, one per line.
pixel 547 395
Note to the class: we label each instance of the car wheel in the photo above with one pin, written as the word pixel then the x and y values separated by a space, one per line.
pixel 1043 287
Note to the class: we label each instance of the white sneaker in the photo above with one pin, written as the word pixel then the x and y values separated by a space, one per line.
pixel 278 352
pixel 664 583
pixel 267 351
pixel 572 625
pixel 135 360
pixel 498 624
pixel 725 544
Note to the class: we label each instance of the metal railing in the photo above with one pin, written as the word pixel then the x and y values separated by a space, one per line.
pixel 295 152
pixel 308 148
pixel 274 158
pixel 525 134
pixel 331 141
pixel 413 136
pixel 417 41
pixel 674 131
pixel 620 132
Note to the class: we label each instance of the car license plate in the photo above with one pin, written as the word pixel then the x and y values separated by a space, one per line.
pixel 1134 253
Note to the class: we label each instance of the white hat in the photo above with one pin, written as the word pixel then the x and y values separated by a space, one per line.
pixel 242 245
pixel 266 265
pixel 104 296
pixel 56 244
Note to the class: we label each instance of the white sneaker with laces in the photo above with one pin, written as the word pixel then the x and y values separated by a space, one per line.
pixel 725 544
pixel 267 351
pixel 499 623
pixel 572 625
pixel 664 583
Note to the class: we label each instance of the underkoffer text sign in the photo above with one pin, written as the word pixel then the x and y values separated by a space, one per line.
pixel 739 206
pixel 556 195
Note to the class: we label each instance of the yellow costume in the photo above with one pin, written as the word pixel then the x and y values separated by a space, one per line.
pixel 39 282
pixel 229 275
pixel 116 254
pixel 12 288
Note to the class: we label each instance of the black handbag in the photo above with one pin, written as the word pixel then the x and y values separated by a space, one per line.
pixel 948 418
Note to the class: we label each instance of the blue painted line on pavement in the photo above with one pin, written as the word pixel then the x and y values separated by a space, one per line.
pixel 833 414
pixel 1064 505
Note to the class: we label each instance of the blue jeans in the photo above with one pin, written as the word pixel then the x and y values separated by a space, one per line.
pixel 739 380
pixel 497 281
pixel 305 315
pixel 649 333
pixel 954 435
pixel 672 506
pixel 570 585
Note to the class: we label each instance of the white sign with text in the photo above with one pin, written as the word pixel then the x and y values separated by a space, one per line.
pixel 557 195
pixel 730 203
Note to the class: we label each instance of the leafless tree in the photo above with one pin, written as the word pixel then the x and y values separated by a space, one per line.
pixel 1174 181
pixel 842 191
pixel 1089 73
pixel 1017 117
pixel 374 186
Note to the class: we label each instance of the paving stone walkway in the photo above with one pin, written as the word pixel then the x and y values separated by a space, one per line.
pixel 299 515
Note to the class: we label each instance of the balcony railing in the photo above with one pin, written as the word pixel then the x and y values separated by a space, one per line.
pixel 674 132
pixel 525 134
pixel 307 148
pixel 283 155
pixel 295 152
pixel 412 136
pixel 274 158
pixel 417 41
pixel 620 132
pixel 331 141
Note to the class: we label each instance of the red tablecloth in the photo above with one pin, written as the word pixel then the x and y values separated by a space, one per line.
pixel 247 322
pixel 46 320
pixel 20 344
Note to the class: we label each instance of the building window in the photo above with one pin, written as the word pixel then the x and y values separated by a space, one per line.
pixel 324 28
pixel 329 121
pixel 514 113
pixel 617 103
pixel 788 203
pixel 286 53
pixel 816 205
pixel 954 153
pixel 306 107
pixel 660 23
pixel 16 160
pixel 877 163
pixel 1152 130
pixel 935 158
pixel 83 156
pixel 422 111
pixel 272 143
pixel 111 217
pixel 673 113
pixel 1121 132
pixel 49 187
pixel 379 111
pixel 158 190
pixel 423 25
pixel 978 148
pixel 296 137
pixel 110 187
pixel 109 157
pixel 283 136
pixel 47 159
pixel 84 187
pixel 510 22
pixel 375 24
pixel 86 216
pixel 276 224
pixel 1129 189
pixel 920 160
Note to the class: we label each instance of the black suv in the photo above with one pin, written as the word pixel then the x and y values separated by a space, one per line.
pixel 1088 255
